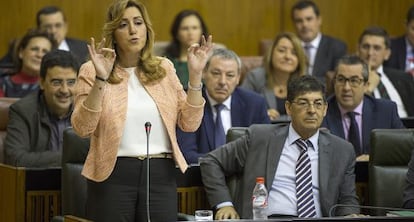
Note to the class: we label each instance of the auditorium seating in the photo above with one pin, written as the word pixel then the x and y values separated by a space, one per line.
pixel 389 155
pixel 249 63
pixel 264 46
pixel 5 103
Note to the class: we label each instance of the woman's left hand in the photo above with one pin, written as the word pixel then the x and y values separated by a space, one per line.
pixel 197 56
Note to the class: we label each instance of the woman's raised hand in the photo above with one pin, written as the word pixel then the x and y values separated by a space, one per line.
pixel 198 54
pixel 103 58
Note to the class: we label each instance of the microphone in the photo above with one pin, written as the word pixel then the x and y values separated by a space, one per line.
pixel 147 131
pixel 334 207
pixel 147 128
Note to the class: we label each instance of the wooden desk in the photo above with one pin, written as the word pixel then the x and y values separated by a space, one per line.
pixel 190 191
pixel 29 194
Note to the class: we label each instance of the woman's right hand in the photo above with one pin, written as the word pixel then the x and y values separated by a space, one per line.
pixel 103 64
pixel 273 114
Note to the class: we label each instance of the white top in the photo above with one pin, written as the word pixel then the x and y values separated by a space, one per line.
pixel 142 109
pixel 392 92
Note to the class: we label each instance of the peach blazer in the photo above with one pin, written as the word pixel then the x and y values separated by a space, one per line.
pixel 105 126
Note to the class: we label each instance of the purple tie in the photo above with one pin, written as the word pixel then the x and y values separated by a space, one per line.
pixel 219 134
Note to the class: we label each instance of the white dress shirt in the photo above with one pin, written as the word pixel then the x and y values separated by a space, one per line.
pixel 392 92
pixel 282 194
pixel 314 45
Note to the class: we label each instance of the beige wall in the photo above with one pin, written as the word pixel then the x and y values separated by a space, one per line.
pixel 239 24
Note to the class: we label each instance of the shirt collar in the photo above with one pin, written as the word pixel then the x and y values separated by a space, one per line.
pixel 226 103
pixel 357 110
pixel 380 70
pixel 64 45
pixel 293 136
pixel 315 42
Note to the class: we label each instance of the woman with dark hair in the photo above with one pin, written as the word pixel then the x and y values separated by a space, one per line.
pixel 27 58
pixel 118 92
pixel 187 29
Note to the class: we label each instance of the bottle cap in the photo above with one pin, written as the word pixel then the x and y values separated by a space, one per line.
pixel 260 180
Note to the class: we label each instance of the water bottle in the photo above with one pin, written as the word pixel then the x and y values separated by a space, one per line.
pixel 259 200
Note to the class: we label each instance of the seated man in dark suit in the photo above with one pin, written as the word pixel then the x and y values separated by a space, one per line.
pixel 36 122
pixel 274 152
pixel 352 114
pixel 52 20
pixel 402 47
pixel 226 106
pixel 384 82
pixel 322 51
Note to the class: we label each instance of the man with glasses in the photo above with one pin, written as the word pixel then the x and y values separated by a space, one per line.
pixel 278 152
pixel 36 122
pixel 385 82
pixel 352 114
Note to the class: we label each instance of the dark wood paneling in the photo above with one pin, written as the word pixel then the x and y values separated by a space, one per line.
pixel 239 24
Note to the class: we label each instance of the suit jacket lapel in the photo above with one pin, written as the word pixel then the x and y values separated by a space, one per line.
pixel 334 119
pixel 237 107
pixel 322 48
pixel 368 120
pixel 270 98
pixel 276 142
pixel 324 168
pixel 209 124
pixel 403 54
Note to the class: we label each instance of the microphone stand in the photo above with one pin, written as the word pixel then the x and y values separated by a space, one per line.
pixel 333 208
pixel 148 130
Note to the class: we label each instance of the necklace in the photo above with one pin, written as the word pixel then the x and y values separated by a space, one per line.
pixel 280 90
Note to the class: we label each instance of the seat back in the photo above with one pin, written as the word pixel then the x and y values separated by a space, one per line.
pixel 388 164
pixel 5 103
pixel 74 191
pixel 264 46
pixel 248 63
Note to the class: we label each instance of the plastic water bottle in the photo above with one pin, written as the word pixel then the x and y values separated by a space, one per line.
pixel 259 200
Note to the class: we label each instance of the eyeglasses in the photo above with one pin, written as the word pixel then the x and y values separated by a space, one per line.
pixel 353 81
pixel 305 104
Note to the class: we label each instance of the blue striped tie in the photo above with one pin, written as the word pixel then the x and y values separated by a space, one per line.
pixel 304 193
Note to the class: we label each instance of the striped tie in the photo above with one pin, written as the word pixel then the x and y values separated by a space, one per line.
pixel 383 91
pixel 304 193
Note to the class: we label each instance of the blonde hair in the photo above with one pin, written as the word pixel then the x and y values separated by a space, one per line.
pixel 297 46
pixel 149 64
